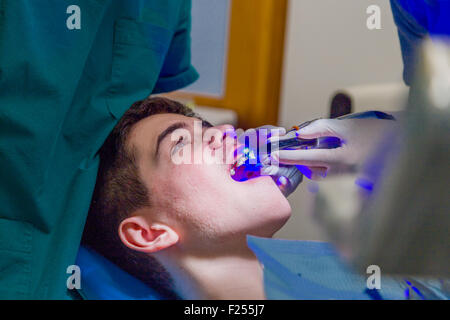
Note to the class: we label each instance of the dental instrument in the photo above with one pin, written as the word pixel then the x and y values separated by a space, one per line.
pixel 249 163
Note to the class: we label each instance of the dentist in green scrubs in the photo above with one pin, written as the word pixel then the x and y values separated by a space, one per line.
pixel 68 70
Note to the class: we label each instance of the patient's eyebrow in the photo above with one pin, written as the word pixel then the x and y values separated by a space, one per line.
pixel 166 132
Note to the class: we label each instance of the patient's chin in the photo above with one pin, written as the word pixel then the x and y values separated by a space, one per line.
pixel 283 212
pixel 273 217
pixel 282 216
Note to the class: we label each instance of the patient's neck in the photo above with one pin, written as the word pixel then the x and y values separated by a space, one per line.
pixel 228 276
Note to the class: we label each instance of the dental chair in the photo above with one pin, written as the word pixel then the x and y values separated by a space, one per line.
pixel 298 270
pixel 103 280
pixel 290 267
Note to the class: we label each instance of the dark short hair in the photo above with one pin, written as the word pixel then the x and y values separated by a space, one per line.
pixel 119 191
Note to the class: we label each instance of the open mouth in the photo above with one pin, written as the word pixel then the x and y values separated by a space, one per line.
pixel 246 165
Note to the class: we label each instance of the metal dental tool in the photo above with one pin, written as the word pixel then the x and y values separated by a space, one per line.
pixel 248 164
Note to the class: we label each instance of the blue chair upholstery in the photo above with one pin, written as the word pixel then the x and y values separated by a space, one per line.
pixel 292 270
pixel 103 280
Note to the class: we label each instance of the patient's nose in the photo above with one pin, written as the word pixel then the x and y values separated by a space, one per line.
pixel 220 135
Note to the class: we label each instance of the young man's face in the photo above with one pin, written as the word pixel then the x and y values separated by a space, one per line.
pixel 200 201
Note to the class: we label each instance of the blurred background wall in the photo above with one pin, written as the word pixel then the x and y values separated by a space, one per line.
pixel 328 47
pixel 209 42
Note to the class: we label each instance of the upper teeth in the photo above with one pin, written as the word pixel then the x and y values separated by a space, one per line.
pixel 241 161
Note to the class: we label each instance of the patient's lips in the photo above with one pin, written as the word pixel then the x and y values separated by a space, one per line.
pixel 246 166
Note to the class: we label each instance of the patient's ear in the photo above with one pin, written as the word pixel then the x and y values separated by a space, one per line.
pixel 139 234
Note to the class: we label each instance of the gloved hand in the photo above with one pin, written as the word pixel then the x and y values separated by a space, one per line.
pixel 287 177
pixel 252 134
pixel 358 138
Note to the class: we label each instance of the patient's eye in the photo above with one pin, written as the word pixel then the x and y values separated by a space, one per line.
pixel 206 124
pixel 181 142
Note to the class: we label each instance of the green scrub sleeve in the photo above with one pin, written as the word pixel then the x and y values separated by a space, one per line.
pixel 177 71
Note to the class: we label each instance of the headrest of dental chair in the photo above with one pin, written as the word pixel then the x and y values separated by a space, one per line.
pixel 103 280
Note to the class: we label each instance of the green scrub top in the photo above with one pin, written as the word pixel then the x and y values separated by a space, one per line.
pixel 62 90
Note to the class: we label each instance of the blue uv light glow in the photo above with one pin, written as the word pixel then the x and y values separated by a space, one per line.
pixel 365 184
pixel 408 291
pixel 305 171
pixel 282 180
